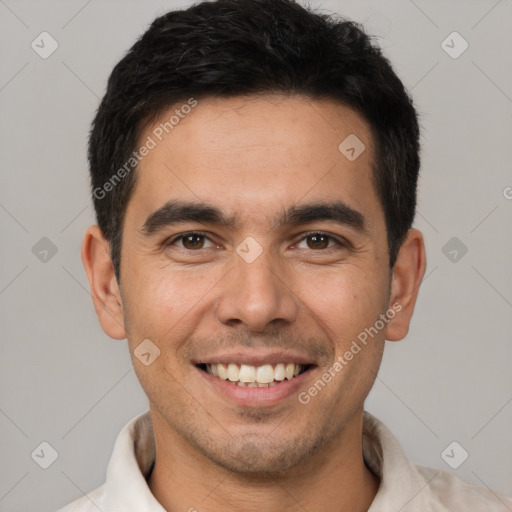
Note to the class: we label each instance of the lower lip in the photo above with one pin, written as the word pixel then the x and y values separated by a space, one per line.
pixel 254 396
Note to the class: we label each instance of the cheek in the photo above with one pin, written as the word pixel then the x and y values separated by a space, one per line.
pixel 158 307
pixel 164 301
pixel 347 306
pixel 346 301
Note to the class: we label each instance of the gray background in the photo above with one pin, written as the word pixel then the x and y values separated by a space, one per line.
pixel 63 381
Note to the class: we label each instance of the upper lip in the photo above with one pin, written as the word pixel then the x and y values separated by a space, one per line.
pixel 256 358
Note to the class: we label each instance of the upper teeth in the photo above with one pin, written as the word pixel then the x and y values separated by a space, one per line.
pixel 246 373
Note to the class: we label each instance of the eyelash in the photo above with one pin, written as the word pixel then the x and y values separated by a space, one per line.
pixel 173 239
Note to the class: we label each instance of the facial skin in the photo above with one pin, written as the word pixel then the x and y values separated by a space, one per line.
pixel 253 158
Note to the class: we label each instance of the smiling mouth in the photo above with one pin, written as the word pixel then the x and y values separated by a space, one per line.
pixel 246 375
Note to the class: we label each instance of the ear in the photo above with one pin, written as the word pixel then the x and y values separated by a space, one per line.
pixel 102 281
pixel 407 276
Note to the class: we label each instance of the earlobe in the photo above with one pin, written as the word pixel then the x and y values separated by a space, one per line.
pixel 408 273
pixel 104 288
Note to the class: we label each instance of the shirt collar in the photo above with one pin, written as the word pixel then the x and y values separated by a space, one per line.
pixel 126 487
pixel 402 487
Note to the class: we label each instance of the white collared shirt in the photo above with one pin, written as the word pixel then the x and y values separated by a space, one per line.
pixel 404 487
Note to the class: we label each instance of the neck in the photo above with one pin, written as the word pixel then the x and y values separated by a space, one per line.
pixel 334 478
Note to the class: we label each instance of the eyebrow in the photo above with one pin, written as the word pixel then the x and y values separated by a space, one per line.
pixel 175 212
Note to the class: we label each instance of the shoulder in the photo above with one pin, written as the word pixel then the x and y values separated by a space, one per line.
pixel 91 502
pixel 455 494
pixel 411 487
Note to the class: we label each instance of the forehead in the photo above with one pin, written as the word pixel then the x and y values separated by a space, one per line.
pixel 257 154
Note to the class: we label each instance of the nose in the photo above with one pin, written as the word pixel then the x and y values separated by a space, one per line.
pixel 257 295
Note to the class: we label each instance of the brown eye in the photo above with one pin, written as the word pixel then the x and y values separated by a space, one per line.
pixel 318 241
pixel 193 241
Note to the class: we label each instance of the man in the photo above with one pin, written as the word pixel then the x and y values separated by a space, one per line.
pixel 254 170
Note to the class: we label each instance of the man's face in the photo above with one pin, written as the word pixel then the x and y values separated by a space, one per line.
pixel 263 291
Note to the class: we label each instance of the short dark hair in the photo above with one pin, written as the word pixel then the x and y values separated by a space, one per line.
pixel 232 48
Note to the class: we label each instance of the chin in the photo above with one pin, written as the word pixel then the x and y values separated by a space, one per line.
pixel 256 457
